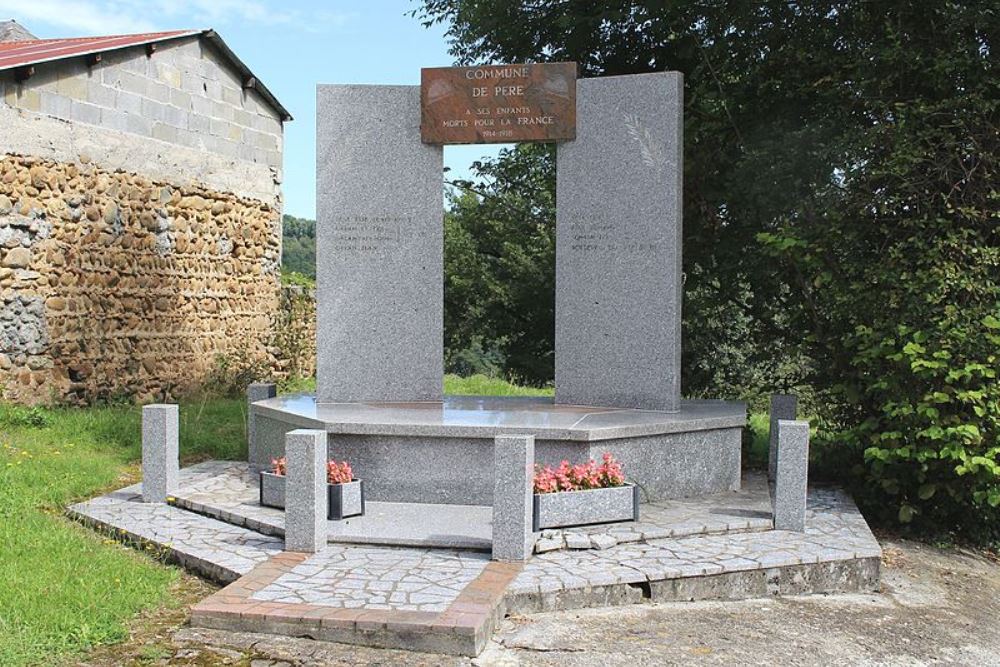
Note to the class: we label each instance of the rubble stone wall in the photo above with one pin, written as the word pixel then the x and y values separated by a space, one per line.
pixel 116 284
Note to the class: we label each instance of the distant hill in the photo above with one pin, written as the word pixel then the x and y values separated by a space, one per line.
pixel 299 239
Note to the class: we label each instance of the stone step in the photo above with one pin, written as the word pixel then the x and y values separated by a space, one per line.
pixel 230 493
pixel 415 600
pixel 450 600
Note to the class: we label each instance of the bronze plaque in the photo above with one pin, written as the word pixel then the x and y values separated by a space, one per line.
pixel 498 103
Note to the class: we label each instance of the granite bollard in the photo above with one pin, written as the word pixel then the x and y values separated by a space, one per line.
pixel 160 452
pixel 256 391
pixel 305 491
pixel 792 475
pixel 513 488
pixel 783 406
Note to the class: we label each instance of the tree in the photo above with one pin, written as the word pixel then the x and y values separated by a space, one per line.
pixel 840 192
pixel 298 253
pixel 500 267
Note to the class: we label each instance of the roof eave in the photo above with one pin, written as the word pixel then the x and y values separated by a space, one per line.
pixel 246 75
pixel 87 52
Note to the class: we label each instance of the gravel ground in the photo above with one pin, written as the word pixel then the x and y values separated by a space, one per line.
pixel 937 607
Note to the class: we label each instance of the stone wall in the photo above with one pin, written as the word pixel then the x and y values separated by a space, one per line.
pixel 117 284
pixel 294 348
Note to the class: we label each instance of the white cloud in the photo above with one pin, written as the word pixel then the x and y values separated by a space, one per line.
pixel 77 16
pixel 108 17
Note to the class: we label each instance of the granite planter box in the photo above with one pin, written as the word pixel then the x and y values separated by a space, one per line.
pixel 579 508
pixel 343 500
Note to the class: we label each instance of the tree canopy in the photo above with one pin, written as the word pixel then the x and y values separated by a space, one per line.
pixel 841 215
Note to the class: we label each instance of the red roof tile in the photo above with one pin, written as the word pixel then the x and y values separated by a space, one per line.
pixel 34 51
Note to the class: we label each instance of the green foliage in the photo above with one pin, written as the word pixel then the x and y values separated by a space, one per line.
pixel 235 370
pixel 298 252
pixel 19 415
pixel 500 267
pixel 293 335
pixel 295 279
pixel 840 215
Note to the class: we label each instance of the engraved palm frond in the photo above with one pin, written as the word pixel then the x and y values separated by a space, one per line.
pixel 651 150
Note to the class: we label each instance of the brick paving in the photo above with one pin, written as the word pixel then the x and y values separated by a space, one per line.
pixel 462 626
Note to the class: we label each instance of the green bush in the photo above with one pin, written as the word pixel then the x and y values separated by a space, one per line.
pixel 900 292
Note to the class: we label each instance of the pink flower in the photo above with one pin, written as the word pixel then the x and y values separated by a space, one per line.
pixel 279 466
pixel 336 473
pixel 589 475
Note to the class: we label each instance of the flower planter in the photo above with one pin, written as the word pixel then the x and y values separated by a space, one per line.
pixel 579 508
pixel 343 500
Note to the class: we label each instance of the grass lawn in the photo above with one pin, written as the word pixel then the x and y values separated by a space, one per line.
pixel 482 385
pixel 66 588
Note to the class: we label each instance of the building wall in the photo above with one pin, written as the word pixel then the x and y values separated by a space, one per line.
pixel 140 233
pixel 183 94
pixel 116 285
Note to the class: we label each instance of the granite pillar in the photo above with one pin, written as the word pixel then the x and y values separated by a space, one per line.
pixel 792 475
pixel 305 491
pixel 513 490
pixel 783 406
pixel 256 391
pixel 379 248
pixel 618 246
pixel 160 452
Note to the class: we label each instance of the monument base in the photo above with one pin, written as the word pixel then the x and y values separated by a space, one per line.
pixel 442 452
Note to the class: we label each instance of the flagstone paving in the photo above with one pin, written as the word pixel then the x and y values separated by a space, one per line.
pixel 836 532
pixel 228 490
pixel 218 550
pixel 378 578
pixel 450 600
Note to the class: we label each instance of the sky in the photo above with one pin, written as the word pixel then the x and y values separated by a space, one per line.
pixel 290 45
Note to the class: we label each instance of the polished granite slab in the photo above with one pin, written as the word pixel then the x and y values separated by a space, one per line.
pixel 487 416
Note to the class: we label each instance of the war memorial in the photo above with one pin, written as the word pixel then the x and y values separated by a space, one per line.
pixel 445 532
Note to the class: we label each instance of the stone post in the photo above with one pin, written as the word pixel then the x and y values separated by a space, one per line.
pixel 160 452
pixel 257 391
pixel 783 406
pixel 513 490
pixel 305 491
pixel 791 475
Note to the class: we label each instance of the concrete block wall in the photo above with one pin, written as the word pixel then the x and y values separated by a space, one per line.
pixel 184 94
